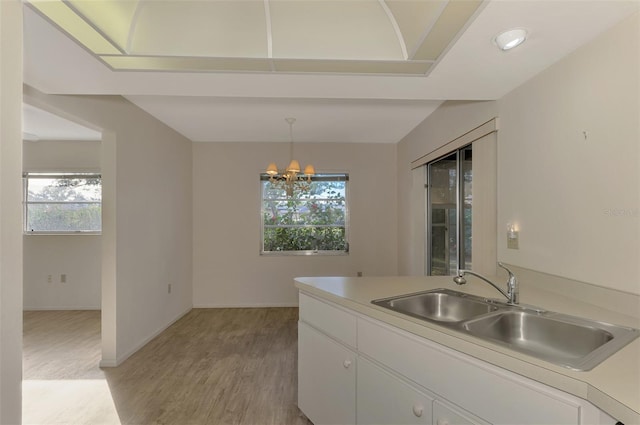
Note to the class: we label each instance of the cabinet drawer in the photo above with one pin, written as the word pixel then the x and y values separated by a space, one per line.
pixel 332 320
pixel 387 399
pixel 473 385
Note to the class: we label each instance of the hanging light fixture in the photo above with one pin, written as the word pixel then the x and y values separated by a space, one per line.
pixel 291 179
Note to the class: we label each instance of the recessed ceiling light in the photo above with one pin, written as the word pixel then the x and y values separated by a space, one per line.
pixel 511 38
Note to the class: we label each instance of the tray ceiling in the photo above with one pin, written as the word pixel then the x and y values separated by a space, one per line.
pixel 381 105
pixel 404 37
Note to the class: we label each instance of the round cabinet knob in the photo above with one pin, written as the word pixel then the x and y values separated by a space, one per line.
pixel 441 421
pixel 418 410
pixel 346 364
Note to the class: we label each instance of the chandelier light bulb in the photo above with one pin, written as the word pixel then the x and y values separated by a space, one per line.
pixel 272 169
pixel 294 166
pixel 309 170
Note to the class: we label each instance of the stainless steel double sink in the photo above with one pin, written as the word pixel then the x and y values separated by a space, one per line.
pixel 568 341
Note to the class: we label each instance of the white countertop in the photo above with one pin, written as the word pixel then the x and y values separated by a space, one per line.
pixel 613 386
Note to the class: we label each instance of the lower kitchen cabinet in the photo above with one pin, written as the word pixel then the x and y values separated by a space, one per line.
pixel 384 398
pixel 446 415
pixel 355 369
pixel 326 378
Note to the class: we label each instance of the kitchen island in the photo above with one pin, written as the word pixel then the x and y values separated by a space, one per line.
pixel 453 372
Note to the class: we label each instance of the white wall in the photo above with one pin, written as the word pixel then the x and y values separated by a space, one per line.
pixel 11 211
pixel 77 256
pixel 228 269
pixel 575 201
pixel 61 155
pixel 146 239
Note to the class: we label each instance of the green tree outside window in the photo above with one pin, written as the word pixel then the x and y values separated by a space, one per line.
pixel 313 221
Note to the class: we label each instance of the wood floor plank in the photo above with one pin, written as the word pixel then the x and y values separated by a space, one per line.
pixel 213 366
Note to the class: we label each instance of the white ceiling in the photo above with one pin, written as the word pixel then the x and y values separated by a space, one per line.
pixel 245 106
pixel 38 125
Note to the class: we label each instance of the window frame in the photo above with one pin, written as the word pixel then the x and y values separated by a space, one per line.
pixel 318 177
pixel 461 247
pixel 26 176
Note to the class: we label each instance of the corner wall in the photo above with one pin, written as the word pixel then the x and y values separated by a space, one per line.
pixel 146 240
pixel 11 211
pixel 228 268
pixel 576 202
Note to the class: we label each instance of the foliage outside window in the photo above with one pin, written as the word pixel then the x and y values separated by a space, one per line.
pixel 62 203
pixel 308 222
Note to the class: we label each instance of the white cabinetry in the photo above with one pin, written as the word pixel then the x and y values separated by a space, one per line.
pixel 383 398
pixel 355 369
pixel 326 363
pixel 493 394
pixel 445 415
pixel 326 378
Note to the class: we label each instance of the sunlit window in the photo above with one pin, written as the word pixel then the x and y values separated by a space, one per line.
pixel 62 203
pixel 306 222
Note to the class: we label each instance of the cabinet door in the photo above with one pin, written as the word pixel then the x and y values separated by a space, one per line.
pixel 446 415
pixel 384 398
pixel 326 378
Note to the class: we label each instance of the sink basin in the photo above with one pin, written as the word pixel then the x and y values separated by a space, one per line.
pixel 568 341
pixel 440 306
pixel 564 340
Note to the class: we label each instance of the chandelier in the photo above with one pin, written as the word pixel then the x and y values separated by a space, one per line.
pixel 291 180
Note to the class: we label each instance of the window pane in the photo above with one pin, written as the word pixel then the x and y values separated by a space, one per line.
pixel 314 220
pixel 467 206
pixel 323 212
pixel 282 212
pixel 71 217
pixel 57 202
pixel 443 209
pixel 304 239
pixel 64 189
pixel 318 190
pixel 449 212
pixel 327 190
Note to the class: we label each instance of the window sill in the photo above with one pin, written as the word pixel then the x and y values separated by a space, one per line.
pixel 62 233
pixel 303 253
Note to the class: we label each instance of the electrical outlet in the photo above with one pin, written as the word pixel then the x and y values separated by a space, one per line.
pixel 63 278
pixel 359 274
pixel 169 289
pixel 49 278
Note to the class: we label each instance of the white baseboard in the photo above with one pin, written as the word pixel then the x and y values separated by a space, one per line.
pixel 61 308
pixel 246 305
pixel 120 359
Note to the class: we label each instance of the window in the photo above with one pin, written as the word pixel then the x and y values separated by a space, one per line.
pixel 308 222
pixel 449 213
pixel 62 203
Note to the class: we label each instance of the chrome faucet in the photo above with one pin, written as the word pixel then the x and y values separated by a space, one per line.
pixel 512 293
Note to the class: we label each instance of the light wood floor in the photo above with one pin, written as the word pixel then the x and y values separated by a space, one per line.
pixel 213 366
